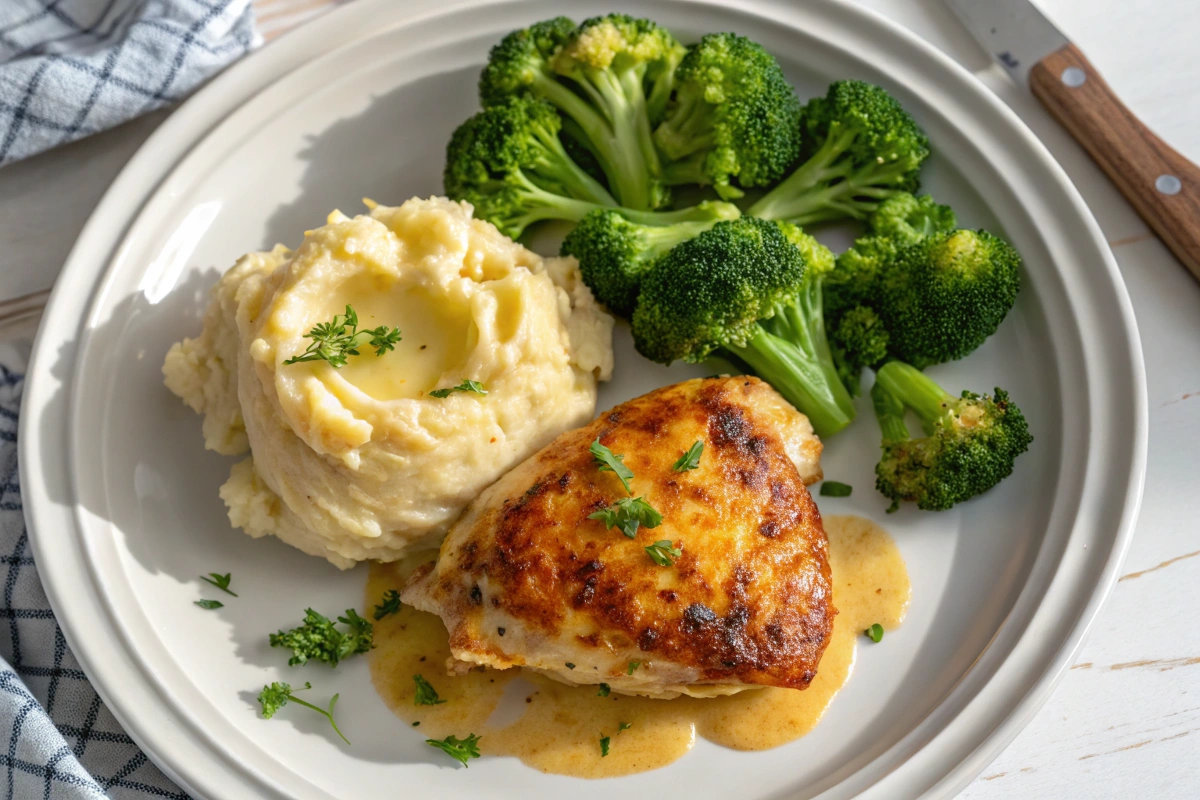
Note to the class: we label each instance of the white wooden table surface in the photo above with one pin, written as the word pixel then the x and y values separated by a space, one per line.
pixel 1125 722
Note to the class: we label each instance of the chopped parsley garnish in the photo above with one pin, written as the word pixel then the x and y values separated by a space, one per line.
pixel 426 695
pixel 608 461
pixel 690 459
pixel 210 604
pixel 340 338
pixel 628 514
pixel 875 632
pixel 465 386
pixel 604 740
pixel 461 750
pixel 277 695
pixel 570 665
pixel 633 665
pixel 604 690
pixel 319 639
pixel 624 726
pixel 664 554
pixel 220 581
pixel 835 489
pixel 390 604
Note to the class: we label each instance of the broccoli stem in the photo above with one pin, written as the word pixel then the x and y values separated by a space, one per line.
pixel 799 377
pixel 822 189
pixel 890 413
pixel 704 212
pixel 689 130
pixel 794 196
pixel 915 390
pixel 619 134
pixel 661 238
pixel 559 167
pixel 807 318
pixel 542 205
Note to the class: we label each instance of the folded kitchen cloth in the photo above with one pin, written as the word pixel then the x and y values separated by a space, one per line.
pixel 70 68
pixel 57 739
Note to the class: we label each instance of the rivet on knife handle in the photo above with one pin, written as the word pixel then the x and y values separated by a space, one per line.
pixel 1161 184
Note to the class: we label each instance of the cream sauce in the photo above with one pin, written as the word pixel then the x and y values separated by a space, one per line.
pixel 557 728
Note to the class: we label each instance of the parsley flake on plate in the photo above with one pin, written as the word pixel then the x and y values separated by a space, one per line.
pixel 461 750
pixel 390 604
pixel 426 695
pixel 277 695
pixel 321 640
pixel 220 581
pixel 835 489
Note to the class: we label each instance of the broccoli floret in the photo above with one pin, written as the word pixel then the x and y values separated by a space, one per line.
pixel 611 76
pixel 970 442
pixel 899 221
pixel 752 289
pixel 614 252
pixel 858 146
pixel 509 162
pixel 907 218
pixel 734 116
pixel 941 297
pixel 859 340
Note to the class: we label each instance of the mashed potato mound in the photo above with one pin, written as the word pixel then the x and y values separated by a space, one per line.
pixel 361 462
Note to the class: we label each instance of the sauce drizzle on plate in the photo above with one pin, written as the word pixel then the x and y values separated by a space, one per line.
pixel 557 728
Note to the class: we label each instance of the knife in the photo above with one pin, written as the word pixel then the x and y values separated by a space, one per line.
pixel 1162 185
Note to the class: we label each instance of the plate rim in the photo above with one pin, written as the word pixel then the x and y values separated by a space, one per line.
pixel 191 124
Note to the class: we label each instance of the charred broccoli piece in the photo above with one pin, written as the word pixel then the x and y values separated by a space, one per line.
pixel 969 446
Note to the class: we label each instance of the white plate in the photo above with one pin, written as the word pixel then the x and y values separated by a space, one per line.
pixel 121 499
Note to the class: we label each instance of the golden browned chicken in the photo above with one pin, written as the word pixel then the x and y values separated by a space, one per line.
pixel 529 577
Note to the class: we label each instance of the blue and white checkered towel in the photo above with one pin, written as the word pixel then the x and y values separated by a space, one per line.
pixel 57 739
pixel 69 68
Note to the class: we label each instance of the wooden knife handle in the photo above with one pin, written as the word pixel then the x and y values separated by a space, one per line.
pixel 1161 184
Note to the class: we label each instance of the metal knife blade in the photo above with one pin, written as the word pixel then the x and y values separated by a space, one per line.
pixel 1013 31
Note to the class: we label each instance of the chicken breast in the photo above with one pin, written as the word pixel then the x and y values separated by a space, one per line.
pixel 527 578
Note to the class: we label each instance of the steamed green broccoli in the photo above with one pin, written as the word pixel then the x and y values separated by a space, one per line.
pixel 509 162
pixel 734 117
pixel 752 289
pixel 941 297
pixel 858 146
pixel 901 220
pixel 970 442
pixel 858 340
pixel 611 76
pixel 614 252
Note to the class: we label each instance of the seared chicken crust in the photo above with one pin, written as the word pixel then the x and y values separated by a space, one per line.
pixel 525 578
